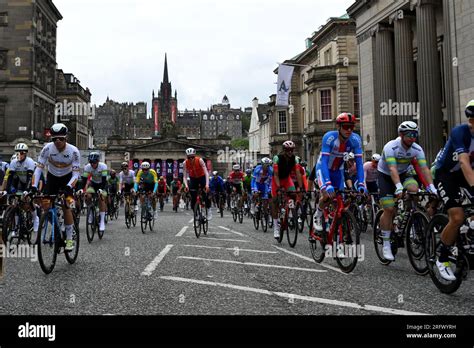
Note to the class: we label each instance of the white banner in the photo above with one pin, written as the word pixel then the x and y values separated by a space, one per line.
pixel 285 72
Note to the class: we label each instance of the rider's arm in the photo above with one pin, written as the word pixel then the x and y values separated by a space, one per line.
pixel 420 173
pixel 185 176
pixel 42 159
pixel 358 159
pixel 7 180
pixel 76 164
pixel 276 176
pixel 466 168
pixel 325 154
pixel 206 173
pixel 298 177
pixel 137 180
pixel 155 179
pixel 253 183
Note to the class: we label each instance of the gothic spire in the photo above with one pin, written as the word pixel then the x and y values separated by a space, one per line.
pixel 165 75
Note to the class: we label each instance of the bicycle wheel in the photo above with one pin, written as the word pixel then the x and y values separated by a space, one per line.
pixel 378 241
pixel 256 218
pixel 144 217
pixel 415 242
pixel 90 224
pixel 234 215
pixel 317 244
pixel 292 229
pixel 350 243
pixel 241 215
pixel 116 207
pixel 197 220
pixel 309 214
pixel 205 224
pixel 432 242
pixel 128 220
pixel 8 224
pixel 71 256
pixel 264 221
pixel 363 219
pixel 47 243
pixel 151 219
pixel 221 206
pixel 134 217
pixel 300 218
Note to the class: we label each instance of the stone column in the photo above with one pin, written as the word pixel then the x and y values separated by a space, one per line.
pixel 429 79
pixel 404 65
pixel 385 93
pixel 448 66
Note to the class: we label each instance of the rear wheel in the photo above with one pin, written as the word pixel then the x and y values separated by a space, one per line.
pixel 415 242
pixel 197 220
pixel 71 256
pixel 256 217
pixel 205 223
pixel 128 220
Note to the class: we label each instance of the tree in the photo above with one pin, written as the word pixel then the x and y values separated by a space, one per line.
pixel 240 144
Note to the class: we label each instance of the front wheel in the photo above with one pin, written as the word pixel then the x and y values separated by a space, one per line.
pixel 292 227
pixel 197 220
pixel 71 256
pixel 348 242
pixel 91 224
pixel 47 243
pixel 415 242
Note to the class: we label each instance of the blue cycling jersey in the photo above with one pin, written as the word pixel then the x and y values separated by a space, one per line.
pixel 334 152
pixel 460 141
pixel 260 178
pixel 216 184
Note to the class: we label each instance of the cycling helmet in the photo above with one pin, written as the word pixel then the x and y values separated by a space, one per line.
pixel 190 152
pixel 345 118
pixel 408 126
pixel 58 130
pixel 266 160
pixel 124 164
pixel 376 157
pixel 94 157
pixel 248 171
pixel 215 173
pixel 145 165
pixel 162 178
pixel 304 164
pixel 236 167
pixel 470 109
pixel 113 172
pixel 289 145
pixel 21 147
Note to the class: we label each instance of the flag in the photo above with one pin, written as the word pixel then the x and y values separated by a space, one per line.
pixel 285 72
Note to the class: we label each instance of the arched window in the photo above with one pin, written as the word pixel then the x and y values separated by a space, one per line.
pixel 204 117
pixel 212 117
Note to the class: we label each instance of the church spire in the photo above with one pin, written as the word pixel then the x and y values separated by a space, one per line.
pixel 165 74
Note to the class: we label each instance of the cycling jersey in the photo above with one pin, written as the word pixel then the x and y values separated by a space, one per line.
pixel 371 173
pixel 236 178
pixel 162 186
pixel 262 177
pixel 4 166
pixel 128 178
pixel 333 154
pixel 350 171
pixel 59 163
pixel 460 141
pixel 176 185
pixel 284 165
pixel 196 167
pixel 148 178
pixel 21 169
pixel 293 176
pixel 395 154
pixel 96 175
pixel 248 183
pixel 216 184
pixel 113 183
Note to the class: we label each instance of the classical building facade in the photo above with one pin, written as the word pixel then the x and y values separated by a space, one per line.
pixel 221 120
pixel 259 131
pixel 27 69
pixel 324 84
pixel 73 108
pixel 416 62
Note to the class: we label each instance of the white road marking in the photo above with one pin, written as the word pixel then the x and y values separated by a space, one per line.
pixel 310 260
pixel 222 233
pixel 299 297
pixel 254 264
pixel 152 266
pixel 183 230
pixel 226 240
pixel 232 249
pixel 234 232
pixel 191 221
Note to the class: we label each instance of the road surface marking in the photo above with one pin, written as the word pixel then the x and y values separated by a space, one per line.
pixel 183 230
pixel 191 221
pixel 298 297
pixel 151 267
pixel 234 232
pixel 226 240
pixel 232 249
pixel 310 260
pixel 254 264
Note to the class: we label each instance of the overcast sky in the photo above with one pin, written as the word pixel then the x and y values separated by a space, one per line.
pixel 214 47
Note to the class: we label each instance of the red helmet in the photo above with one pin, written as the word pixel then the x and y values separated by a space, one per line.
pixel 345 117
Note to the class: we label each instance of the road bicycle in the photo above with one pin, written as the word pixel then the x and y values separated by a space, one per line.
pixel 287 216
pixel 93 218
pixel 129 211
pixel 18 221
pixel 236 207
pixel 200 221
pixel 147 218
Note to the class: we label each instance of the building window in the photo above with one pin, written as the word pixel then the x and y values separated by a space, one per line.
pixel 326 107
pixel 282 122
pixel 356 102
pixel 328 56
pixel 305 117
pixel 3 19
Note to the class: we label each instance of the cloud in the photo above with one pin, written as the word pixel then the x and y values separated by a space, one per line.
pixel 117 47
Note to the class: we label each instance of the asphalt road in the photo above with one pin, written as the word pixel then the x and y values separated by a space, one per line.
pixel 233 270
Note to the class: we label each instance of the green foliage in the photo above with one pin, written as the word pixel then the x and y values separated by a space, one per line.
pixel 240 144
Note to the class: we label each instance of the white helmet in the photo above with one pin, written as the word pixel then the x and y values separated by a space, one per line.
pixel 408 126
pixel 21 147
pixel 145 165
pixel 351 155
pixel 190 152
pixel 289 145
pixel 266 160
pixel 236 167
pixel 215 173
pixel 376 157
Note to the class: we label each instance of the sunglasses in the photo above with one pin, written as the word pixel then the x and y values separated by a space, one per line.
pixel 94 162
pixel 58 138
pixel 348 127
pixel 411 135
pixel 23 153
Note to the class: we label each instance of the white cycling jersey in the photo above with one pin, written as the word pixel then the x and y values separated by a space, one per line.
pixel 21 168
pixel 394 153
pixel 96 174
pixel 127 178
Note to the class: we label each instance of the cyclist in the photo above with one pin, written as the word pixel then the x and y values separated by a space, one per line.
pixel 228 191
pixel 237 182
pixel 19 176
pixel 350 171
pixel 330 167
pixel 371 175
pixel 261 181
pixel 113 186
pixel 95 180
pixel 195 168
pixel 3 169
pixel 62 161
pixel 216 184
pixel 162 191
pixel 283 165
pixel 127 179
pixel 302 171
pixel 454 174
pixel 147 181
pixel 176 186
pixel 393 178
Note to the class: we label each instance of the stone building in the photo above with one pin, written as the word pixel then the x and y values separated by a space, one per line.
pixel 324 84
pixel 221 120
pixel 73 108
pixel 189 124
pixel 416 62
pixel 259 131
pixel 27 69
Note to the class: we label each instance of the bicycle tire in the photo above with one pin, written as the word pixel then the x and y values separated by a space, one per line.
pixel 241 216
pixel 128 219
pixel 71 256
pixel 377 239
pixel 432 237
pixel 256 219
pixel 8 224
pixel 264 221
pixel 300 218
pixel 47 243
pixel 418 239
pixel 197 220
pixel 143 218
pixel 90 227
pixel 292 227
pixel 151 222
pixel 348 222
pixel 205 225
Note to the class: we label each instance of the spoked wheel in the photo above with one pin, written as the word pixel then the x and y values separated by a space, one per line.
pixel 151 222
pixel 99 232
pixel 8 224
pixel 205 223
pixel 363 217
pixel 432 242
pixel 309 215
pixel 292 227
pixel 144 217
pixel 47 243
pixel 221 206
pixel 128 220
pixel 264 221
pixel 234 215
pixel 91 224
pixel 241 215
pixel 300 218
pixel 116 209
pixel 415 242
pixel 256 218
pixel 197 220
pixel 31 235
pixel 71 256
pixel 133 218
pixel 349 246
pixel 378 240
pixel 317 244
